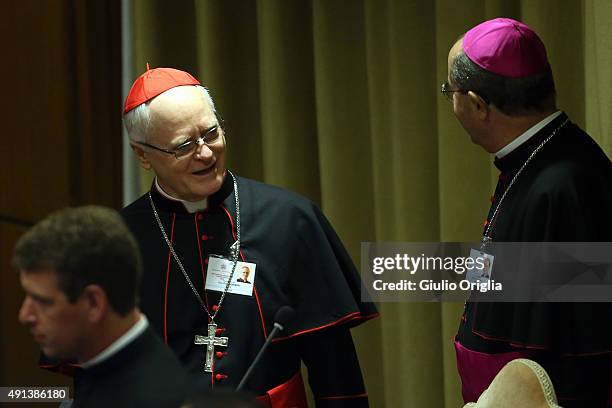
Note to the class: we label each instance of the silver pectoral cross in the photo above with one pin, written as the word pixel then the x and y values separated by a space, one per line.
pixel 210 341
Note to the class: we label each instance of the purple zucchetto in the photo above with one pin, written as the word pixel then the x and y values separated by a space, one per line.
pixel 506 47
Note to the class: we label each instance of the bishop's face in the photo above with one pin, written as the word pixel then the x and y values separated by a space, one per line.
pixel 179 115
pixel 464 103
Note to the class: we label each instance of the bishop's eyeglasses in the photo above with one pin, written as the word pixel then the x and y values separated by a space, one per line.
pixel 446 90
pixel 186 149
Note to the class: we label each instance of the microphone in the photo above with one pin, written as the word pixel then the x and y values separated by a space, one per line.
pixel 283 316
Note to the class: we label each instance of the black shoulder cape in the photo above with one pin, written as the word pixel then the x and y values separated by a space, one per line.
pixel 563 195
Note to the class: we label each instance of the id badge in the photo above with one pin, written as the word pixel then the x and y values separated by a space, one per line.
pixel 483 266
pixel 219 271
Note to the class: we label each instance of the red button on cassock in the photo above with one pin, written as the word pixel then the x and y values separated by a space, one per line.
pixel 214 308
pixel 219 331
pixel 220 377
pixel 205 237
pixel 219 354
pixel 200 217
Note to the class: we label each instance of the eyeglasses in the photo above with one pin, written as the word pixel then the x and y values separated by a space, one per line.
pixel 186 149
pixel 446 90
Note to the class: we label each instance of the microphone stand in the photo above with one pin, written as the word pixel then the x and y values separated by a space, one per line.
pixel 277 327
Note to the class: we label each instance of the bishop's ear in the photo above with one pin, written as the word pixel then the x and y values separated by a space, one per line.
pixel 479 105
pixel 97 303
pixel 141 155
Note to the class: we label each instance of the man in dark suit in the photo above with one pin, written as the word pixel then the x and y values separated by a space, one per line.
pixel 80 270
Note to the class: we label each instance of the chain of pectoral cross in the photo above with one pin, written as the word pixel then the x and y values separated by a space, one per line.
pixel 211 340
pixel 486 238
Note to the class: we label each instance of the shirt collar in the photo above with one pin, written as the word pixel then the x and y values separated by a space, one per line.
pixel 166 202
pixel 190 206
pixel 526 135
pixel 136 330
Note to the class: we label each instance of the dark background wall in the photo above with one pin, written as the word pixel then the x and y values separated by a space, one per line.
pixel 61 137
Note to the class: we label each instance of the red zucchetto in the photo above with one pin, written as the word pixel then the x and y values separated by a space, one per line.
pixel 154 82
pixel 506 47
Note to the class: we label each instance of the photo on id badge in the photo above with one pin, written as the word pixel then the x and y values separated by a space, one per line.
pixel 483 267
pixel 221 274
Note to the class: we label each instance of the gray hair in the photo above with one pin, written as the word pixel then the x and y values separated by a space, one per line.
pixel 138 120
pixel 512 96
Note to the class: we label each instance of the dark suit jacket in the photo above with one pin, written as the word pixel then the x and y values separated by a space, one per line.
pixel 143 374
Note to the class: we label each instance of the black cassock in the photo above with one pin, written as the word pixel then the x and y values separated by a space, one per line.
pixel 563 195
pixel 142 374
pixel 300 262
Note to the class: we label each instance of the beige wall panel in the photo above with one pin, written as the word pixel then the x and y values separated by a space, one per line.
pixel 598 71
pixel 288 115
pixel 560 25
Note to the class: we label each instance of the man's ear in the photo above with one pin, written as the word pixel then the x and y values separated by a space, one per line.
pixel 97 303
pixel 141 155
pixel 479 106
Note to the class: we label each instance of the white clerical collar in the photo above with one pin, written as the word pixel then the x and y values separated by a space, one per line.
pixel 527 135
pixel 190 206
pixel 136 330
